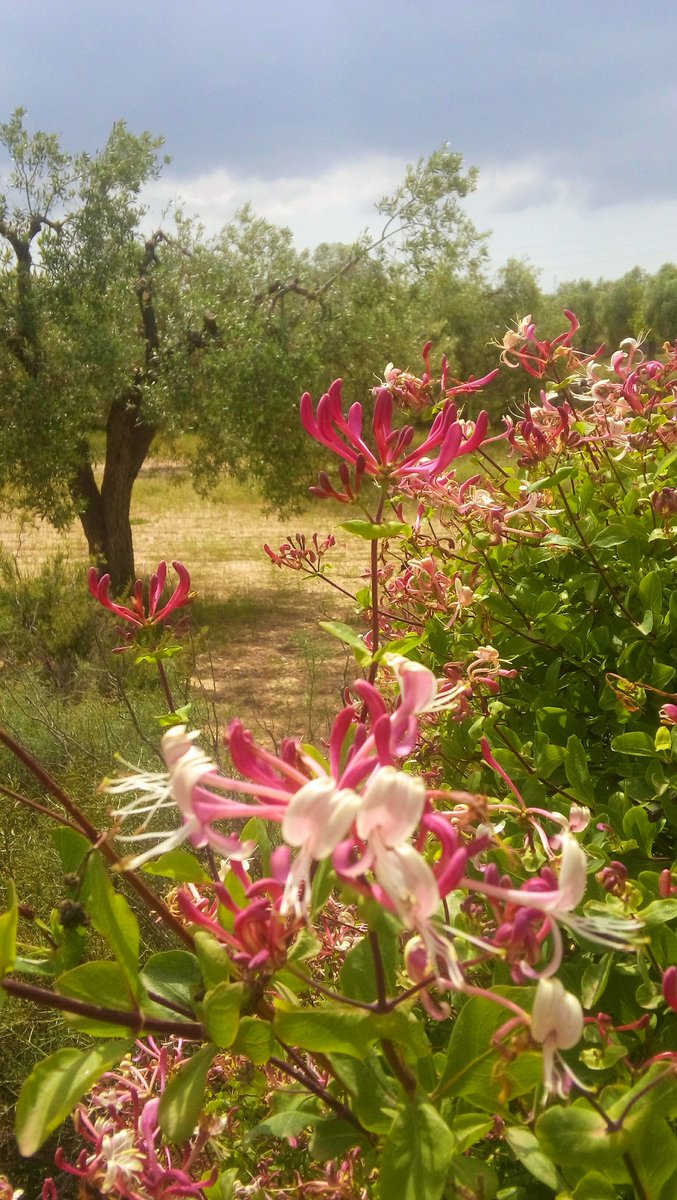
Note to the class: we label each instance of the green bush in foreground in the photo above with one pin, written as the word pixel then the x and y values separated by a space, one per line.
pixel 434 956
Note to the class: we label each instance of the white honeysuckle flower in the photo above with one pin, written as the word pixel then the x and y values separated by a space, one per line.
pixel 316 820
pixel 557 1023
pixel 392 805
pixel 178 788
pixel 120 1157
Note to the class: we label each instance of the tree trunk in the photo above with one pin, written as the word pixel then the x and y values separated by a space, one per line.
pixel 105 510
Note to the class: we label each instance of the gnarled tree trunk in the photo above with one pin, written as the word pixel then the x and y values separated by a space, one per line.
pixel 105 509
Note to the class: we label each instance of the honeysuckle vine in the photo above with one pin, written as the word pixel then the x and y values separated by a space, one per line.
pixel 432 954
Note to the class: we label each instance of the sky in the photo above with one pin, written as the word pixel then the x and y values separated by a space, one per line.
pixel 311 110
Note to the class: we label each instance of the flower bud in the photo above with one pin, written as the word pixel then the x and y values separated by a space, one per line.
pixel 665 502
pixel 670 987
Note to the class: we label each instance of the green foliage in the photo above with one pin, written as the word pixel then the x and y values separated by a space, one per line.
pixel 183 1098
pixel 417 1154
pixel 55 1085
pixel 401 1037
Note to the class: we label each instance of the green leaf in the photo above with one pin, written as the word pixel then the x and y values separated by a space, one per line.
pixel 54 1087
pixel 332 1137
pixel 9 921
pixel 469 1129
pixel 551 481
pixel 595 979
pixel 287 1124
pixel 213 958
pixel 578 1135
pixel 340 1029
pixel 399 646
pixel 97 983
pixel 182 1100
pixel 417 1154
pixel 256 830
pixel 174 975
pixel 658 912
pixel 255 1039
pixel 330 1028
pixel 634 743
pixel 179 716
pixel 357 977
pixel 471 1055
pixel 347 635
pixel 71 847
pixel 370 532
pixel 636 825
pixel 651 593
pixel 374 1094
pixel 224 1186
pixel 180 865
pixel 662 740
pixel 112 917
pixel 594 1186
pixel 525 1147
pixel 307 945
pixel 221 1013
pixel 577 772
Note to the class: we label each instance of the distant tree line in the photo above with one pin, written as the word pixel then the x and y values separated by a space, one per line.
pixel 116 337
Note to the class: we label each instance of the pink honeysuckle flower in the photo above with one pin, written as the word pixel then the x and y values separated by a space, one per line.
pixel 261 934
pixel 522 348
pixel 670 987
pixel 448 439
pixel 125 1160
pixel 556 898
pixel 668 714
pixel 665 502
pixel 291 788
pixel 557 1023
pixel 390 811
pixel 301 554
pixel 138 613
pixel 358 809
pixel 316 821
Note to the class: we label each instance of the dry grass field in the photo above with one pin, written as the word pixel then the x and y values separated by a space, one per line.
pixel 261 655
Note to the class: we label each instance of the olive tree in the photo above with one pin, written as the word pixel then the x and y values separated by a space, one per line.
pixel 111 333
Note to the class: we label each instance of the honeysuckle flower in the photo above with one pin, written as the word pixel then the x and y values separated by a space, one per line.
pixel 557 1023
pixel 261 933
pixel 668 714
pixel 123 1155
pixel 670 987
pixel 301 554
pixel 556 898
pixel 392 458
pixel 613 878
pixel 522 348
pixel 141 613
pixel 315 806
pixel 664 502
pixel 187 767
pixel 316 820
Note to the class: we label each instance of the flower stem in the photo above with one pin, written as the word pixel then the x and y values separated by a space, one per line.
pixel 166 686
pixel 134 1020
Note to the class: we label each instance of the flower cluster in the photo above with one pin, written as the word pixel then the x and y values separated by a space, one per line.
pixel 145 610
pixel 298 554
pixel 124 1155
pixel 394 457
pixel 538 356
